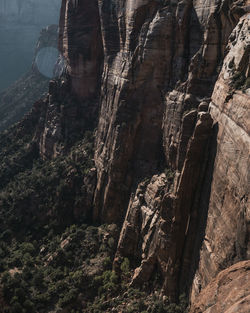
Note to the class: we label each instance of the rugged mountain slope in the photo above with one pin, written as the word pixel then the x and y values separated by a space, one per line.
pixel 161 61
pixel 18 99
pixel 166 85
pixel 20 24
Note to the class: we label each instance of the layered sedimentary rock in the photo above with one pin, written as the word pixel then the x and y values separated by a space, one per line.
pixel 227 228
pixel 167 168
pixel 72 103
pixel 159 219
pixel 229 292
pixel 81 45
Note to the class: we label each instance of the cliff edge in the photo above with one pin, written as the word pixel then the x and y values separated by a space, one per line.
pixel 164 88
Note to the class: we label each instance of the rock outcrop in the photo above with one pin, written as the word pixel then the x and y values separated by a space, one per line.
pixel 162 218
pixel 154 79
pixel 229 292
pixel 81 45
pixel 172 170
pixel 228 223
pixel 72 103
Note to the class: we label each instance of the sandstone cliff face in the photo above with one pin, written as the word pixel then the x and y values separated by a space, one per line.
pixel 81 45
pixel 228 292
pixel 71 105
pixel 227 229
pixel 151 66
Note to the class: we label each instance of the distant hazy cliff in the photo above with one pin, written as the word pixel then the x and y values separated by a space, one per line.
pixel 17 100
pixel 20 25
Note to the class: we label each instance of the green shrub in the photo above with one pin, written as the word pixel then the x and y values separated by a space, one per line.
pixel 38 278
pixel 125 266
pixel 238 80
pixel 107 264
pixel 29 306
pixel 27 247
pixel 111 243
pixel 68 298
pixel 247 84
pixel 16 308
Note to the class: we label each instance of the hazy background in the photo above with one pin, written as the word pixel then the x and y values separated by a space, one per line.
pixel 20 24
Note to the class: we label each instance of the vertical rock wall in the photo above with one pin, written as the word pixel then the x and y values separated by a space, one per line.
pixel 72 102
pixel 228 224
pixel 151 67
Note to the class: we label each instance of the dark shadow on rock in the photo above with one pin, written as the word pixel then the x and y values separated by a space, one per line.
pixel 203 208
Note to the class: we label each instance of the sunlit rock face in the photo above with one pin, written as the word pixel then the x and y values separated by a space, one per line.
pixel 153 73
pixel 20 24
pixel 228 292
pixel 227 227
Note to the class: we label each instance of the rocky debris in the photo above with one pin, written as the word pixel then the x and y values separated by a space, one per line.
pixel 228 292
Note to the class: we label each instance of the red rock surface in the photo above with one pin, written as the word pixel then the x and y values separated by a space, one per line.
pixel 176 183
pixel 227 229
pixel 229 292
pixel 81 45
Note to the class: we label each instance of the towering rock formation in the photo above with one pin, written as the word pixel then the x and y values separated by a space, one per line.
pixel 172 141
pixel 227 228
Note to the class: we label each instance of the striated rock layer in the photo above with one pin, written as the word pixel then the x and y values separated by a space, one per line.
pixel 172 170
pixel 229 292
pixel 228 224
